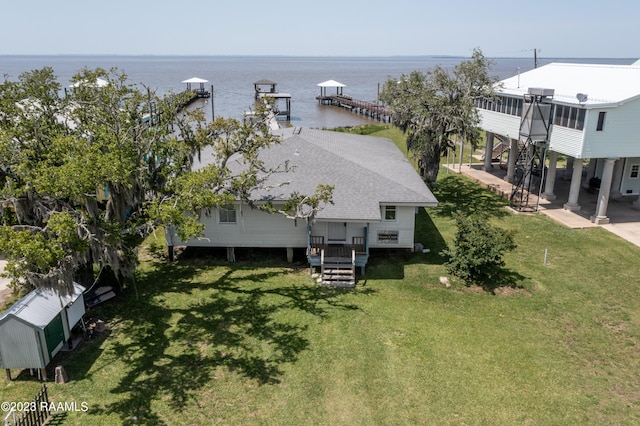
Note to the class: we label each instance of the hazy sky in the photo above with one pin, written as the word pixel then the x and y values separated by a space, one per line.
pixel 558 28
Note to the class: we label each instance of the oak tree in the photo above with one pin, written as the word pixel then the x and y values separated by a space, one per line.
pixel 88 172
pixel 436 107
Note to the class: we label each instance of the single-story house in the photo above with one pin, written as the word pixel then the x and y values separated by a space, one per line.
pixel 593 112
pixel 376 197
pixel 35 328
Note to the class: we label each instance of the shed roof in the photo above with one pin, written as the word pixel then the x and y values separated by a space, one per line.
pixel 331 83
pixel 40 307
pixel 367 172
pixel 603 84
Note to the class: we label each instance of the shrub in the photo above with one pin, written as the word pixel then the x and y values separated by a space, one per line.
pixel 478 248
pixel 364 129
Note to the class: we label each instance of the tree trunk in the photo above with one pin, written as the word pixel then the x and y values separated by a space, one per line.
pixel 85 275
pixel 431 160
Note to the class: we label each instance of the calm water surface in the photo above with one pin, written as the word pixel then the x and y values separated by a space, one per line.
pixel 233 76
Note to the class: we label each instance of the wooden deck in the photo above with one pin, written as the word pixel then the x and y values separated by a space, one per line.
pixel 337 261
pixel 371 109
pixel 338 254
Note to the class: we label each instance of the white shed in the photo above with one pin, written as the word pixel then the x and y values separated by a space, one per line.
pixel 36 327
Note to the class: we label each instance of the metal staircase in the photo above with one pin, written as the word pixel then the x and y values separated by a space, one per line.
pixel 535 127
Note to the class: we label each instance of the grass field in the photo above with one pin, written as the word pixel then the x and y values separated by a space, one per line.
pixel 201 341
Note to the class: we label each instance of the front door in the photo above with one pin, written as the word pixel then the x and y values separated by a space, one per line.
pixel 337 232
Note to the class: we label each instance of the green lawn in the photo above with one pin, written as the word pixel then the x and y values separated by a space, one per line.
pixel 201 341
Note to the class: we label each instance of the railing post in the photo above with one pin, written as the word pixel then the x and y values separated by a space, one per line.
pixel 46 399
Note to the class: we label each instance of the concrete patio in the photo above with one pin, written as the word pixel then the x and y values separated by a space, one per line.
pixel 624 218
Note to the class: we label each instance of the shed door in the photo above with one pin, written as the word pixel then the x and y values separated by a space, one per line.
pixel 54 334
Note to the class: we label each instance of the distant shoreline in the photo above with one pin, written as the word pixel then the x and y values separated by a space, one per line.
pixel 393 57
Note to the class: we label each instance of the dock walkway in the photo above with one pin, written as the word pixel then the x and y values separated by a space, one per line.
pixel 370 109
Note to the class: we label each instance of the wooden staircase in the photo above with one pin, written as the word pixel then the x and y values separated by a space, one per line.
pixel 338 271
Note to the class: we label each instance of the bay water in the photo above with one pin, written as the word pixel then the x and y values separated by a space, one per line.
pixel 232 77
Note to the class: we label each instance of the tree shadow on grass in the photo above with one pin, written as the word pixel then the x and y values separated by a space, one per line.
pixel 504 279
pixel 189 321
pixel 428 234
pixel 386 265
pixel 456 193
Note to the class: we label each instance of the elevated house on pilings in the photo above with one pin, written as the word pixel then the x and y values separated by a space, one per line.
pixel 377 194
pixel 592 115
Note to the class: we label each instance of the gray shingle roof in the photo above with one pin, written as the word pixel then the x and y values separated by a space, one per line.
pixel 366 172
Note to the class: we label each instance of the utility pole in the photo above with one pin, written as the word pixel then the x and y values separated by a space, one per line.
pixel 535 58
pixel 213 115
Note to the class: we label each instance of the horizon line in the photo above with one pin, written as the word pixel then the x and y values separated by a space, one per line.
pixel 303 56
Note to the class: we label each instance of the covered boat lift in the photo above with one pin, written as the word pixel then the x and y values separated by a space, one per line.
pixel 328 84
pixel 200 91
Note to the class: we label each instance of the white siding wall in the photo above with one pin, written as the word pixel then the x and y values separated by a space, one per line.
pixel 620 136
pixel 630 186
pixel 566 141
pixel 501 124
pixel 19 346
pixel 404 223
pixel 75 312
pixel 258 229
pixel 253 228
pixel 354 229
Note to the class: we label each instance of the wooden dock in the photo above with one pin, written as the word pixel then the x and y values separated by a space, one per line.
pixel 370 109
pixel 198 92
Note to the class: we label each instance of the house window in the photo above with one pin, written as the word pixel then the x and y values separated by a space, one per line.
pixel 557 115
pixel 635 171
pixel 572 118
pixel 227 214
pixel 580 120
pixel 601 117
pixel 519 108
pixel 566 111
pixel 388 237
pixel 390 213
